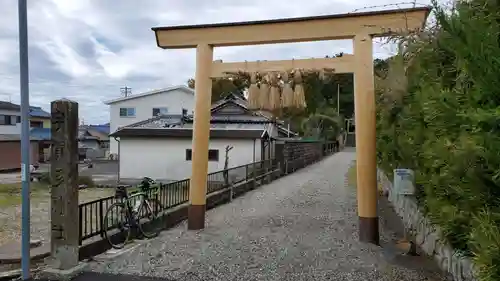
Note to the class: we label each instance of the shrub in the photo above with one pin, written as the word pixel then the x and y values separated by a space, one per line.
pixel 444 125
pixel 485 240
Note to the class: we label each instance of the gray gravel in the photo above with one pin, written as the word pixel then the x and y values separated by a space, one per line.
pixel 300 227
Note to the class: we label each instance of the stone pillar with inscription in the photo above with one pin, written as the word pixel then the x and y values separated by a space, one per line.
pixel 64 217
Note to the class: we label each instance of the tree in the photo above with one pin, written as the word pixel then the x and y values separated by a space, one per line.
pixel 224 86
pixel 324 124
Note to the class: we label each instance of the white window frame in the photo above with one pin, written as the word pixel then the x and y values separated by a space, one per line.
pixel 128 109
pixel 163 110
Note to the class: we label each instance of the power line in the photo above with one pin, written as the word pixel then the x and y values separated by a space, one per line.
pixel 46 82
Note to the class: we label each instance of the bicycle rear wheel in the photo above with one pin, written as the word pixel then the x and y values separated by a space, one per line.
pixel 116 225
pixel 149 222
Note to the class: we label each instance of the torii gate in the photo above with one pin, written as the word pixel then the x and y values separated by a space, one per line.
pixel 360 27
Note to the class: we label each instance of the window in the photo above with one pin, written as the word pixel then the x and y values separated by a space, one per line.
pixel 127 112
pixel 36 124
pixel 8 120
pixel 213 155
pixel 160 111
pixel 18 119
pixel 104 144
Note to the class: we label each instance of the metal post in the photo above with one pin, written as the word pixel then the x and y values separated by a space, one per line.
pixel 25 139
pixel 118 156
pixel 338 99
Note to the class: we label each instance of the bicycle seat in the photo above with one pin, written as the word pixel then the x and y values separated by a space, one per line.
pixel 121 191
pixel 146 183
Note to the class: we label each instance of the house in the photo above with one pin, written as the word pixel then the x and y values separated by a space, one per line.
pixel 10 118
pixel 10 127
pixel 10 151
pixel 134 108
pixel 161 147
pixel 39 118
pixel 94 141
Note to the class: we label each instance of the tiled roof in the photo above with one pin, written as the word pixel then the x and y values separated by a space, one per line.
pixel 163 121
pixel 188 133
pixel 104 129
pixel 40 133
pixel 36 111
pixel 9 106
pixel 230 113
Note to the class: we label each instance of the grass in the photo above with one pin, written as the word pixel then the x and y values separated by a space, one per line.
pixel 351 177
pixel 10 194
pixel 10 211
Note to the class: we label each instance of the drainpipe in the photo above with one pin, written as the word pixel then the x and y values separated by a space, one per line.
pixel 118 141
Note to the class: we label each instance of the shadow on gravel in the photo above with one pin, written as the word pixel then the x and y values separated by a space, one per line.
pixel 92 276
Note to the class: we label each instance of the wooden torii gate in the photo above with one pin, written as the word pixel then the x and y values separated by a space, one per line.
pixel 360 27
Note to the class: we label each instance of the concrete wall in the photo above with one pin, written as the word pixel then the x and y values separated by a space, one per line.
pixel 165 159
pixel 174 100
pixel 428 235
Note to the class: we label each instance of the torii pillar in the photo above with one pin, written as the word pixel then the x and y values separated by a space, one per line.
pixel 365 116
pixel 201 135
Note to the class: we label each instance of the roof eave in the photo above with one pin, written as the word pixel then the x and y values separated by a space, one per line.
pixel 145 94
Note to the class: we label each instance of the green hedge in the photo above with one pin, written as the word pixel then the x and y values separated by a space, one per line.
pixel 446 126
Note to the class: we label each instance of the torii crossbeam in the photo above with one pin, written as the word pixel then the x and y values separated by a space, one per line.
pixel 360 27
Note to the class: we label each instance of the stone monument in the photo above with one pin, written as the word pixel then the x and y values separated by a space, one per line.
pixel 65 224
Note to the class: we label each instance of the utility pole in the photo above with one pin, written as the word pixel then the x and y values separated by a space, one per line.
pixel 25 138
pixel 126 91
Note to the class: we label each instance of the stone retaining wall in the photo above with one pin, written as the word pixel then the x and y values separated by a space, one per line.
pixel 427 235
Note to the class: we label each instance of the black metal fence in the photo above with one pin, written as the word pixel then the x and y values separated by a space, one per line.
pixel 174 194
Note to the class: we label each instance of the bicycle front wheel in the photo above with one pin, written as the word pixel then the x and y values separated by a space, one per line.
pixel 149 220
pixel 116 225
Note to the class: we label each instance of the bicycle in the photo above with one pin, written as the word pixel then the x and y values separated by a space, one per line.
pixel 142 215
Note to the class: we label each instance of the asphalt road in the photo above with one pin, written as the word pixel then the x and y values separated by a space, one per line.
pixel 101 171
pixel 101 168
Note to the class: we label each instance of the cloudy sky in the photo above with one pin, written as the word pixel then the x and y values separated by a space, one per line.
pixel 85 50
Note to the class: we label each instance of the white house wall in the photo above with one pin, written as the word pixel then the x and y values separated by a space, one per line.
pixel 10 129
pixel 174 100
pixel 165 159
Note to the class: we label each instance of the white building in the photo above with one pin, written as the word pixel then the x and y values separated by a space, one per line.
pixel 134 108
pixel 160 147
pixel 10 118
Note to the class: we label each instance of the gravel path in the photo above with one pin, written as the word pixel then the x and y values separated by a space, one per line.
pixel 300 227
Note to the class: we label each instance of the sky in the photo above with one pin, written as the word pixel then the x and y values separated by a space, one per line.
pixel 86 50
